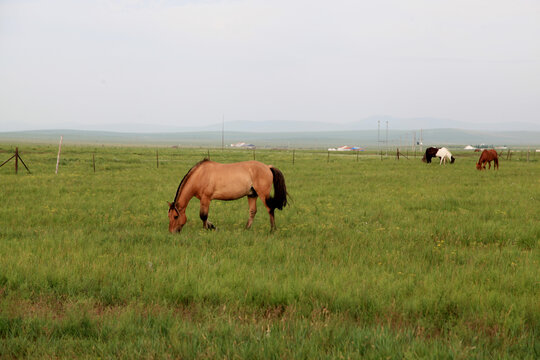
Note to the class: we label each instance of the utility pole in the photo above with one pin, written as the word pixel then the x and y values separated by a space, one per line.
pixel 386 137
pixel 378 136
pixel 414 144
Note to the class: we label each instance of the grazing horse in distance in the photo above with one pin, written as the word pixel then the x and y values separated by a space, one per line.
pixel 431 152
pixel 444 154
pixel 209 180
pixel 488 156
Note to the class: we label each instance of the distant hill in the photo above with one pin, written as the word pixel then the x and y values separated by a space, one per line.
pixel 370 123
pixel 284 126
pixel 300 139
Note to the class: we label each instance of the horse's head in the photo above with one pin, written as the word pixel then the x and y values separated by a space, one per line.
pixel 452 159
pixel 177 218
pixel 479 166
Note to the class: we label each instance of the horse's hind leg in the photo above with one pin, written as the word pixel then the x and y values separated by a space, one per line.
pixel 252 202
pixel 270 213
pixel 203 214
pixel 272 220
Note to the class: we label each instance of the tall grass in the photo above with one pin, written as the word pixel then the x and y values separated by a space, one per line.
pixel 372 259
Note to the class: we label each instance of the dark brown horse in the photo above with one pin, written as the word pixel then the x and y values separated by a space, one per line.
pixel 488 156
pixel 430 153
pixel 209 180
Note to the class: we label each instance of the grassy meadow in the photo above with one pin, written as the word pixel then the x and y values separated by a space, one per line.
pixel 372 259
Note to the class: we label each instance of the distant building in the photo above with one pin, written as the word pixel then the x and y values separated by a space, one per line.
pixel 346 148
pixel 243 145
pixel 484 146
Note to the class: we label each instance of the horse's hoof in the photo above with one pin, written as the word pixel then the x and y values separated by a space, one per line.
pixel 211 226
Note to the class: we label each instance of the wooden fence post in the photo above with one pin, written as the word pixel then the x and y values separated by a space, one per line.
pixel 157 159
pixel 94 161
pixel 16 160
pixel 328 158
pixel 58 157
pixel 293 157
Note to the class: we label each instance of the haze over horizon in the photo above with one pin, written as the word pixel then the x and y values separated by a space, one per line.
pixel 370 123
pixel 110 65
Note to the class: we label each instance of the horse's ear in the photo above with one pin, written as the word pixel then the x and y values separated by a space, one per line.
pixel 169 204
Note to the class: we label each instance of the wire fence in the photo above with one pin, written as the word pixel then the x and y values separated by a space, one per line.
pixel 106 158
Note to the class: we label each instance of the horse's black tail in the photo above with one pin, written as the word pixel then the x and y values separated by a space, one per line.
pixel 279 200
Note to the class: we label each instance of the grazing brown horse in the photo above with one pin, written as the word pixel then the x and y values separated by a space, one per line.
pixel 209 180
pixel 488 156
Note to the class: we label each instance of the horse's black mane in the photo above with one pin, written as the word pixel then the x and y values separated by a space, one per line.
pixel 185 179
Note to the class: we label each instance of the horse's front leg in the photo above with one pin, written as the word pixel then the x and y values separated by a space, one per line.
pixel 252 202
pixel 203 214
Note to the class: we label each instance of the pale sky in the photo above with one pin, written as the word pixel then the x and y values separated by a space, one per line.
pixel 89 64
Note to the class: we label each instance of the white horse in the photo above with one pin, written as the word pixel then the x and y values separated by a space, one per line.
pixel 444 154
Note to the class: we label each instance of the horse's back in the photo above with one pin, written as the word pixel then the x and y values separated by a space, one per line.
pixel 489 155
pixel 234 180
pixel 444 152
pixel 253 167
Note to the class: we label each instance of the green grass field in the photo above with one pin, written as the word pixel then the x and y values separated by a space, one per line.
pixel 372 259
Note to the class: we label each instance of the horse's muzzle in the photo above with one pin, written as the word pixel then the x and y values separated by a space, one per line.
pixel 176 230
